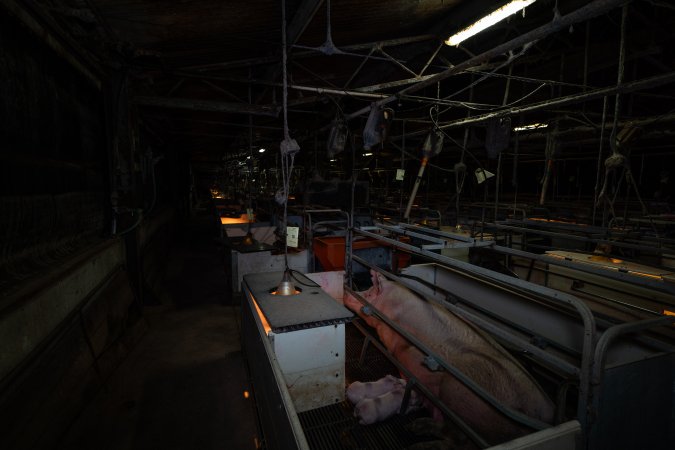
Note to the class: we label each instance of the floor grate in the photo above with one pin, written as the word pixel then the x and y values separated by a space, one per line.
pixel 335 427
pixel 375 364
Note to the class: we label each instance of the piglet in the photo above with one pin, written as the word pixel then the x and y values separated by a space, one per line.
pixel 358 391
pixel 377 409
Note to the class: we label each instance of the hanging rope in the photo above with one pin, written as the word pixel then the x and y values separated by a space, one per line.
pixel 618 160
pixel 289 147
pixel 284 62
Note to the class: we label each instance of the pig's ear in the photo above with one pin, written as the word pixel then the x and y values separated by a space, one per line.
pixel 375 276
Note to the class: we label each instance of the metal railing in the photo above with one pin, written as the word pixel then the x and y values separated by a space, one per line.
pixel 495 279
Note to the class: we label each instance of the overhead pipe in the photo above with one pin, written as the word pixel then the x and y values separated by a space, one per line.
pixel 206 105
pixel 647 83
pixel 589 11
pixel 35 18
pixel 296 55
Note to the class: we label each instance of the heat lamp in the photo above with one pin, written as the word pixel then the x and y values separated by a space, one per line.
pixel 286 286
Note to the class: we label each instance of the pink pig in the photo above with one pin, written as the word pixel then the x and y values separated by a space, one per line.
pixel 377 409
pixel 358 391
pixel 462 345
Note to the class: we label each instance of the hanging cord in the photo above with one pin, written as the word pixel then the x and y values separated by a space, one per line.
pixel 284 62
pixel 286 168
pixel 602 138
pixel 509 60
pixel 514 175
pixel 549 152
pixel 617 159
pixel 463 147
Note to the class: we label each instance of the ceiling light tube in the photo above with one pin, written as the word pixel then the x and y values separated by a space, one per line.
pixel 489 20
pixel 532 126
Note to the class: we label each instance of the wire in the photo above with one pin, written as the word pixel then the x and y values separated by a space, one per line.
pixel 463 147
pixel 293 272
pixel 286 169
pixel 284 68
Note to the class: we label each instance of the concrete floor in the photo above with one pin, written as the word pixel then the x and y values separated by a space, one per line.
pixel 182 386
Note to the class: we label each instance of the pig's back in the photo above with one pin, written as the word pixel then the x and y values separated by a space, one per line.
pixel 475 354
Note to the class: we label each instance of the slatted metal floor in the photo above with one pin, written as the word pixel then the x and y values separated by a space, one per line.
pixel 335 427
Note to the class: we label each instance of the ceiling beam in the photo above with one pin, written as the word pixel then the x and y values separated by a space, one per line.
pixel 647 83
pixel 586 12
pixel 301 19
pixel 207 105
pixel 249 62
pixel 33 16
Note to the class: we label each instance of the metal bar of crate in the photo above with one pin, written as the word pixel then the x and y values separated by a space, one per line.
pixel 563 366
pixel 509 283
pixel 467 381
pixel 475 437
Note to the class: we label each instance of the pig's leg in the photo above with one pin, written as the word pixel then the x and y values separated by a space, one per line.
pixel 357 391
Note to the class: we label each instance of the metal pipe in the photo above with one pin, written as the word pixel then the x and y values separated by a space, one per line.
pixel 206 105
pixel 607 339
pixel 619 76
pixel 590 10
pixel 397 62
pixel 213 122
pixel 569 369
pixel 391 84
pixel 358 69
pixel 351 93
pixel 454 371
pixel 643 247
pixel 431 58
pixel 416 186
pixel 426 233
pixel 596 192
pixel 660 286
pixel 526 79
pixel 616 331
pixel 476 438
pixel 508 283
pixel 302 17
pixel 646 83
pixel 297 55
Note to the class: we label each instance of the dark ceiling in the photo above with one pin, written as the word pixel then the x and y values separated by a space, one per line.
pixel 206 76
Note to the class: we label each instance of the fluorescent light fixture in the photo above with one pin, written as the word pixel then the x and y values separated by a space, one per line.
pixel 532 126
pixel 262 150
pixel 333 160
pixel 489 20
pixel 368 154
